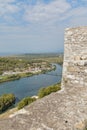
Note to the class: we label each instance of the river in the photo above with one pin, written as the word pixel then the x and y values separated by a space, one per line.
pixel 29 86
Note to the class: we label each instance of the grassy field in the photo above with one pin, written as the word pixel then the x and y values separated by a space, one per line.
pixel 52 57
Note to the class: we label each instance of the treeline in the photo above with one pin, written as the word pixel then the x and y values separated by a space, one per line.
pixel 6 101
pixel 9 63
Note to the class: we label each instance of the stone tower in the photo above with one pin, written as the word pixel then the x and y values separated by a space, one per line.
pixel 75 57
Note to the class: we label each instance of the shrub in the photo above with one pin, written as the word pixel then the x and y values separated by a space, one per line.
pixel 6 101
pixel 26 101
pixel 1 72
pixel 46 91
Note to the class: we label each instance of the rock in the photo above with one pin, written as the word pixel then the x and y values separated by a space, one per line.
pixel 80 126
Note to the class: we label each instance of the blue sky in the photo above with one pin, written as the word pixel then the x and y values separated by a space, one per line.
pixel 33 26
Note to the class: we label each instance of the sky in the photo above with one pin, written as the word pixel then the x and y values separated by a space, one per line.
pixel 37 26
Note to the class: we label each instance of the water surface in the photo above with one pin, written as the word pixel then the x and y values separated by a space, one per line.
pixel 29 86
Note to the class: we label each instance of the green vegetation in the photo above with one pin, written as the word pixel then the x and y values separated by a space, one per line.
pixel 85 127
pixel 9 78
pixel 46 91
pixel 12 63
pixel 20 62
pixel 6 101
pixel 26 101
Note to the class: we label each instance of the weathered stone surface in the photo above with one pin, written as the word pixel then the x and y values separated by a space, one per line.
pixel 75 53
pixel 66 109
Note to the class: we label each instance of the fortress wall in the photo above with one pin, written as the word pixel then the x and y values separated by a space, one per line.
pixel 75 57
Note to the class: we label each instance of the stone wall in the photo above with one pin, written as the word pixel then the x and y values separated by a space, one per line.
pixel 75 56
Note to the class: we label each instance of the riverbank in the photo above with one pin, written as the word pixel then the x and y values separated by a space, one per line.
pixel 19 75
pixel 29 86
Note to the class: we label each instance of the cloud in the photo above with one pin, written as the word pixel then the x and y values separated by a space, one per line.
pixel 37 23
pixel 45 12
pixel 56 12
pixel 7 9
pixel 39 11
pixel 75 12
pixel 6 1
